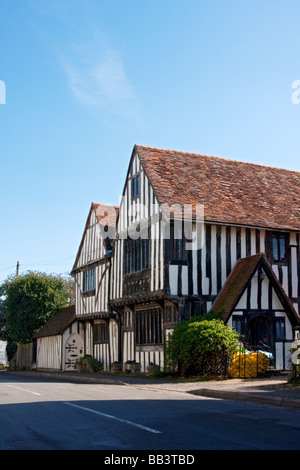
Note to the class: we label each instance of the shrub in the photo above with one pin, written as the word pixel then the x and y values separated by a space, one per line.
pixel 88 363
pixel 198 344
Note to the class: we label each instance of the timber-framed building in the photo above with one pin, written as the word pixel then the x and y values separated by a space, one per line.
pixel 192 233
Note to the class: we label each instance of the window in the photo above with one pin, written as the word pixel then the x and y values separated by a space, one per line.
pixel 238 324
pixel 280 328
pixel 279 244
pixel 135 186
pixel 100 332
pixel 108 245
pixel 136 255
pixel 170 314
pixel 198 308
pixel 89 280
pixel 128 319
pixel 177 242
pixel 148 326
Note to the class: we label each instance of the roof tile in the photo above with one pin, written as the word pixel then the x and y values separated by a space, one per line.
pixel 57 324
pixel 232 192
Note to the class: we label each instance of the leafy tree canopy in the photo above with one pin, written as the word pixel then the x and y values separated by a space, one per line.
pixel 29 301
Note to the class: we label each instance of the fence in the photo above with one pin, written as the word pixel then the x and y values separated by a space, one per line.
pixel 23 357
pixel 247 362
pixel 213 364
pixel 251 361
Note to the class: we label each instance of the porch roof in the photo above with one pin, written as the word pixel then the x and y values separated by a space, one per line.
pixel 239 279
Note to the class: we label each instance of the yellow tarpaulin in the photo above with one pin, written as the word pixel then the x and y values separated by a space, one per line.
pixel 249 365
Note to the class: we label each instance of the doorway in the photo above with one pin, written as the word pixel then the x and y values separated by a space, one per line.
pixel 261 333
pixel 73 351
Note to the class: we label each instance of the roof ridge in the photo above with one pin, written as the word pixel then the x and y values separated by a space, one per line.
pixel 231 191
pixel 237 281
pixel 103 204
pixel 216 158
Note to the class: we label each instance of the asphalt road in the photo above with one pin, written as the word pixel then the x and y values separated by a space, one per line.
pixel 41 414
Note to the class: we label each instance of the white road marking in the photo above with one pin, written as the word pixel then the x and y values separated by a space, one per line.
pixel 131 423
pixel 23 389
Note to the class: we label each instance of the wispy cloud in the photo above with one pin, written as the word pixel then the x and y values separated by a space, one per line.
pixel 98 79
pixel 95 72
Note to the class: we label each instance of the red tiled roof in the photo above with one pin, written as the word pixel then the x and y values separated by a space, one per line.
pixel 106 214
pixel 236 283
pixel 232 192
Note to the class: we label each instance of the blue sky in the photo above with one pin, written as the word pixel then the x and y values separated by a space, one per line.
pixel 87 80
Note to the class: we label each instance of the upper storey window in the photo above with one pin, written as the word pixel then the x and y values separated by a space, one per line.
pixel 89 280
pixel 136 255
pixel 135 186
pixel 279 246
pixel 177 242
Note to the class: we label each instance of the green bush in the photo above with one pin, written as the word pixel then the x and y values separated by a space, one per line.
pixel 196 345
pixel 88 363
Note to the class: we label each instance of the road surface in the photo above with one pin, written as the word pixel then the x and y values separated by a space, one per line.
pixel 43 414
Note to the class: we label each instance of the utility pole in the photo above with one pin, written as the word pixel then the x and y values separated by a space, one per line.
pixel 18 269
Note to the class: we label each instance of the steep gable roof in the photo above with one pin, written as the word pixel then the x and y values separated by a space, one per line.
pixel 57 324
pixel 232 192
pixel 239 279
pixel 106 215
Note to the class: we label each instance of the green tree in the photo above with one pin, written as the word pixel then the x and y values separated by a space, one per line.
pixel 197 344
pixel 11 346
pixel 69 289
pixel 28 302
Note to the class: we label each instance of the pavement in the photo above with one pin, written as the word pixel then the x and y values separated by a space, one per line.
pixel 270 390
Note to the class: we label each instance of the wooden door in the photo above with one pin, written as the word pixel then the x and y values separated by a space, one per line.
pixel 261 333
pixel 73 351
